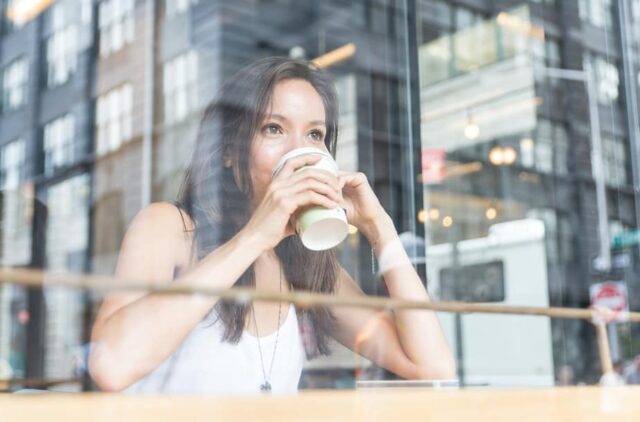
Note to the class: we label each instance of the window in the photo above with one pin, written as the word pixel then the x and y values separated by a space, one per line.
pixel 66 246
pixel 12 159
pixel 58 143
pixel 437 12
pixel 561 149
pixel 635 18
pixel 550 219
pixel 549 151
pixel 596 12
pixel 614 161
pixel 545 53
pixel 466 18
pixel 544 155
pixel 546 2
pixel 116 25
pixel 175 7
pixel 62 49
pixel 543 147
pixel 14 85
pixel 606 77
pixel 565 237
pixel 114 119
pixel 86 12
pixel 635 10
pixel 180 87
pixel 15 207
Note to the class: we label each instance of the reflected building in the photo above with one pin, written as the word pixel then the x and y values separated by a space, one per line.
pixel 47 68
pixel 503 140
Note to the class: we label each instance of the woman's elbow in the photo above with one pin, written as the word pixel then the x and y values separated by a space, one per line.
pixel 440 371
pixel 108 376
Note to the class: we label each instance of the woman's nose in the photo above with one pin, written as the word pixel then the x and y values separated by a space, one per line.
pixel 298 141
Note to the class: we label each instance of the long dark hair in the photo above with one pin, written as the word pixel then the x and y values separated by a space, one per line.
pixel 218 198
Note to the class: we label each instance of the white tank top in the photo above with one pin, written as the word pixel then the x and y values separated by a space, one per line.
pixel 204 364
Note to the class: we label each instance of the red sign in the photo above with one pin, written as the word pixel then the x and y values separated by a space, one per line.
pixel 433 160
pixel 612 295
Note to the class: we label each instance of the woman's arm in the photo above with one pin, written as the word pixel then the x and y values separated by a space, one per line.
pixel 134 333
pixel 418 331
pixel 409 343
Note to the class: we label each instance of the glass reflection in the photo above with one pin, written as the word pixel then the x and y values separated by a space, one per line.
pixel 483 160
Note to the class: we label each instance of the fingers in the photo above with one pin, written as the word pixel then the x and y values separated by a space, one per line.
pixel 310 197
pixel 308 191
pixel 351 179
pixel 292 164
pixel 317 174
pixel 603 315
pixel 292 201
pixel 319 187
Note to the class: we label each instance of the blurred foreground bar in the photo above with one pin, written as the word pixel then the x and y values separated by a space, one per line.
pixel 553 404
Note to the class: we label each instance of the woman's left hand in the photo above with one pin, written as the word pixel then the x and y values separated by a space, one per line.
pixel 362 206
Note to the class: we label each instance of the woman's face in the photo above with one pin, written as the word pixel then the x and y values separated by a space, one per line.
pixel 295 119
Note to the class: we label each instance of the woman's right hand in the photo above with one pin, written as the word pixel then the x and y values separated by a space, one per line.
pixel 288 192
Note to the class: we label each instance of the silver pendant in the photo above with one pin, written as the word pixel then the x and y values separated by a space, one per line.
pixel 266 387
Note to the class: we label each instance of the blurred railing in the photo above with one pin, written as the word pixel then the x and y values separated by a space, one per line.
pixel 598 317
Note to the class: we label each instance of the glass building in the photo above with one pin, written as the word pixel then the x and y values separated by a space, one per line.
pixel 501 136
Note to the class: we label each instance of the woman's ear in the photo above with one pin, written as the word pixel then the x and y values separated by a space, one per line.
pixel 226 159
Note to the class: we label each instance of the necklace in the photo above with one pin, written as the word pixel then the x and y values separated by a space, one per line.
pixel 266 386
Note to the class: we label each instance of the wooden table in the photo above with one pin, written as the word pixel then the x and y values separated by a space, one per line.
pixel 581 404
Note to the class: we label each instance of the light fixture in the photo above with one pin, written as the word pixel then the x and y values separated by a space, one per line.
pixel 491 213
pixel 447 221
pixel 471 128
pixel 422 216
pixel 496 156
pixel 336 56
pixel 499 156
pixel 298 52
pixel 509 154
pixel 434 214
pixel 21 12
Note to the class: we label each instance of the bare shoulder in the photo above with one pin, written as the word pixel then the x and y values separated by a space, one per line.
pixel 164 214
pixel 163 225
pixel 154 246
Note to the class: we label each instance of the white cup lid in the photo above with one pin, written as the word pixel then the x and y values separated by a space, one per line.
pixel 301 151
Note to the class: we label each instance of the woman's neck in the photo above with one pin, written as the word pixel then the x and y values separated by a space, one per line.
pixel 267 272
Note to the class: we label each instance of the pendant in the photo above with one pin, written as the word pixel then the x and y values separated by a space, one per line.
pixel 266 387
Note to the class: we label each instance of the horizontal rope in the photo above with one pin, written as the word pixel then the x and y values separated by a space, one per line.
pixel 40 279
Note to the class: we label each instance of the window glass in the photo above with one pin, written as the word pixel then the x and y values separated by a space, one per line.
pixel 62 47
pixel 59 138
pixel 486 155
pixel 176 7
pixel 114 119
pixel 15 77
pixel 116 23
pixel 503 145
pixel 180 87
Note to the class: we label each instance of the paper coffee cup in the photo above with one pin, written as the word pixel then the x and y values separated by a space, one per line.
pixel 319 228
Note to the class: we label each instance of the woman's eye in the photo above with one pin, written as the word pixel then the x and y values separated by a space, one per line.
pixel 317 135
pixel 272 129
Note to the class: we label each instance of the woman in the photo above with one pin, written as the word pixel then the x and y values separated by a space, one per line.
pixel 231 227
